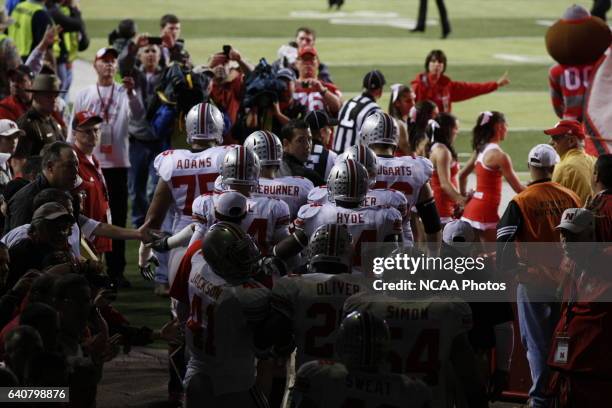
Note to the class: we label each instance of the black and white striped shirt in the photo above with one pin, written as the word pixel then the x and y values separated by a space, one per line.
pixel 351 117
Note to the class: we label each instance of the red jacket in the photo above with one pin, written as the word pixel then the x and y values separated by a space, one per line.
pixel 11 108
pixel 446 91
pixel 95 205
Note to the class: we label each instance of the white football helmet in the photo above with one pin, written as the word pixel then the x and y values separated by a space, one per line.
pixel 330 243
pixel 348 181
pixel 204 122
pixel 267 146
pixel 363 341
pixel 379 128
pixel 364 155
pixel 240 166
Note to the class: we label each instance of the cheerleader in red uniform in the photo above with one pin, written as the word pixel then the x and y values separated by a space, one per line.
pixel 490 163
pixel 442 133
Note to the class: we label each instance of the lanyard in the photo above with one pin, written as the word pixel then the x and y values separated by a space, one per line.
pixel 105 107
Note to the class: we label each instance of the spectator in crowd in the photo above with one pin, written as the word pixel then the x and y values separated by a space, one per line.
pixel 20 344
pixel 28 172
pixel 60 168
pixel 601 204
pixel 4 266
pixel 114 103
pixel 321 159
pixel 400 104
pixel 39 123
pixel 442 133
pixel 122 36
pixel 354 111
pixel 13 298
pixel 227 82
pixel 437 87
pixel 172 48
pixel 140 60
pixel 9 56
pixel 579 355
pixel 288 108
pixel 307 37
pixel 17 103
pixel 311 92
pixel 49 231
pixel 419 118
pixel 297 143
pixel 490 163
pixel 524 221
pixel 9 132
pixel 31 21
pixel 575 169
pixel 44 319
pixel 72 37
pixel 86 132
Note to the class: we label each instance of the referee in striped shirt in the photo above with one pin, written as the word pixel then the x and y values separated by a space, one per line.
pixel 354 111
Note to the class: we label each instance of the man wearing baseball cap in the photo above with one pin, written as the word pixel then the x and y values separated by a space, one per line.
pixel 532 216
pixel 576 167
pixel 357 109
pixel 321 159
pixel 17 103
pixel 40 125
pixel 114 104
pixel 311 92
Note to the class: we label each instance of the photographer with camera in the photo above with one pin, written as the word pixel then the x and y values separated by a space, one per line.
pixel 312 92
pixel 228 82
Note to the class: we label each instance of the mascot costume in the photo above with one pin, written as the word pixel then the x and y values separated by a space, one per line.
pixel 581 82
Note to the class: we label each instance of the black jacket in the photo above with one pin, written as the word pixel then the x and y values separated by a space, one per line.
pixel 290 166
pixel 20 208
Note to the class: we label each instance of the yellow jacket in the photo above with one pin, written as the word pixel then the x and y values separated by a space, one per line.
pixel 575 171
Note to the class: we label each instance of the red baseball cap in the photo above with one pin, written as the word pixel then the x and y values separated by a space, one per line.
pixel 563 127
pixel 308 50
pixel 85 118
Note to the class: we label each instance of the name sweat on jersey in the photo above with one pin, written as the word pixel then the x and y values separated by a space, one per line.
pixel 422 334
pixel 188 174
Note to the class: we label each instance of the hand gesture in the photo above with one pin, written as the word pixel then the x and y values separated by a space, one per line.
pixel 148 269
pixel 168 40
pixel 129 84
pixel 160 242
pixel 503 80
pixel 234 55
pixel 142 40
pixel 49 37
pixel 170 331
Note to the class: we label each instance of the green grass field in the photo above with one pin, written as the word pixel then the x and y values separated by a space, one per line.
pixel 489 38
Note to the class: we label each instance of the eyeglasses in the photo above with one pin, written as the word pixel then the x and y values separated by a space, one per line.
pixel 150 50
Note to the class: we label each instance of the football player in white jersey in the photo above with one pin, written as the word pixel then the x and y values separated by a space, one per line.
pixel 291 189
pixel 185 174
pixel 226 308
pixel 348 186
pixel 407 174
pixel 429 341
pixel 359 379
pixel 375 196
pixel 267 219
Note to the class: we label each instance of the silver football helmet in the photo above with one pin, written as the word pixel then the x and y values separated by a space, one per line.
pixel 330 243
pixel 240 166
pixel 267 146
pixel 363 341
pixel 230 252
pixel 379 128
pixel 348 181
pixel 365 156
pixel 204 122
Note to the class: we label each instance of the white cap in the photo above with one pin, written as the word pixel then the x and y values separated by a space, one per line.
pixel 543 155
pixel 231 203
pixel 577 220
pixel 9 128
pixel 457 231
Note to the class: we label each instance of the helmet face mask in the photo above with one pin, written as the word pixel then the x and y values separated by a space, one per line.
pixel 267 146
pixel 204 122
pixel 363 341
pixel 330 244
pixel 364 155
pixel 240 167
pixel 348 181
pixel 231 253
pixel 379 128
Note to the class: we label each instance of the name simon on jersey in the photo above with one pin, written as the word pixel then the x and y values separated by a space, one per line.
pixel 335 287
pixel 185 164
pixel 205 286
pixel 395 171
pixel 279 190
pixel 406 313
